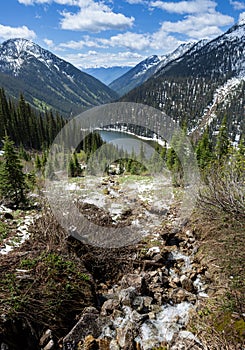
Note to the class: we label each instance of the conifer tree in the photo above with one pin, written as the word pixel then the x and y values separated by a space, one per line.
pixel 223 143
pixel 13 187
pixel 204 150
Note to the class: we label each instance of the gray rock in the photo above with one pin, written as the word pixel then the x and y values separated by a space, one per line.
pixel 134 280
pixel 186 283
pixel 109 306
pixel 126 335
pixel 126 296
pixel 89 323
pixel 138 318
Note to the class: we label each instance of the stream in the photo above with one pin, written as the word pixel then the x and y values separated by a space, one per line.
pixel 150 306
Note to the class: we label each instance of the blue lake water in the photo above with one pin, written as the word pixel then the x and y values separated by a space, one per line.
pixel 127 142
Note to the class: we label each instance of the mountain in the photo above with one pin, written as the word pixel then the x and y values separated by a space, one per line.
pixel 107 74
pixel 145 69
pixel 46 80
pixel 204 85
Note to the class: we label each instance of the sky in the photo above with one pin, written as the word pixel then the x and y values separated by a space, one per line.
pixel 93 33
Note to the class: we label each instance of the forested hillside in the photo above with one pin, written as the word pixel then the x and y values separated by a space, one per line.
pixel 26 126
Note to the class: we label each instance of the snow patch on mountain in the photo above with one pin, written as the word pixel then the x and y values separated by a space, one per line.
pixel 219 97
pixel 14 53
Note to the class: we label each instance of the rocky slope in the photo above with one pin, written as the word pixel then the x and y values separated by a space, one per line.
pixel 76 296
pixel 190 89
pixel 46 80
pixel 146 69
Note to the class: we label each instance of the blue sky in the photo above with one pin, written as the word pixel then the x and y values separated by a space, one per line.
pixel 91 33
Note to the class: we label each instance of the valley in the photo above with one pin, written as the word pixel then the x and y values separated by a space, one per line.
pixel 122 206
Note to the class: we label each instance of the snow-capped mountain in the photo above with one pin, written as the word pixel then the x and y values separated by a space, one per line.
pixel 46 80
pixel 146 69
pixel 107 74
pixel 203 85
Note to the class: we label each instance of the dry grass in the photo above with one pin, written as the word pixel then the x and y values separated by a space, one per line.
pixel 43 282
pixel 220 322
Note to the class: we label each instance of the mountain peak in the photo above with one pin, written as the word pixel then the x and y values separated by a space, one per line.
pixel 46 80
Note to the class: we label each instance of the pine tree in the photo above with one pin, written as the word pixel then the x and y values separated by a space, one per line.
pixel 13 187
pixel 204 150
pixel 223 143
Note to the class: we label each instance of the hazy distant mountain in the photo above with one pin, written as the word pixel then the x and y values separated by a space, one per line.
pixel 107 74
pixel 48 81
pixel 145 69
pixel 202 86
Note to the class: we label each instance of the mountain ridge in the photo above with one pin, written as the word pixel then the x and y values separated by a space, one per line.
pixel 201 81
pixel 146 69
pixel 107 74
pixel 32 68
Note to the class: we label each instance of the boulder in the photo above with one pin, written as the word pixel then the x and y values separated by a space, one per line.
pixel 186 283
pixel 90 343
pixel 126 296
pixel 178 295
pixel 109 306
pixel 89 323
pixel 125 337
pixel 134 280
pixel 138 318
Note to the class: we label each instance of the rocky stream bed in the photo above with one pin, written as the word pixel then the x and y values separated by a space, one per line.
pixel 146 305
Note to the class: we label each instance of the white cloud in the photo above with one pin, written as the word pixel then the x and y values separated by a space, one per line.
pixel 129 40
pixel 7 32
pixel 132 41
pixel 102 59
pixel 160 41
pixel 92 16
pixel 238 5
pixel 78 45
pixel 49 42
pixel 157 41
pixel 182 7
pixel 95 17
pixel 199 26
pixel 31 2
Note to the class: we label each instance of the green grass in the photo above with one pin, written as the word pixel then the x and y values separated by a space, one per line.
pixel 3 231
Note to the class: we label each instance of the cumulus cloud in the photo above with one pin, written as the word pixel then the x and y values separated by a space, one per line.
pixel 49 42
pixel 7 32
pixel 98 59
pixel 95 17
pixel 199 26
pixel 92 16
pixel 131 41
pixel 238 5
pixel 185 7
pixel 78 45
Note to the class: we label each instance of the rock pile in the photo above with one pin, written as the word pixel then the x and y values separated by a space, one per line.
pixel 150 307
